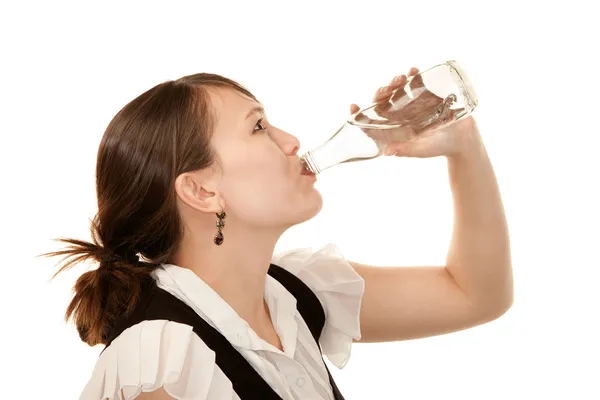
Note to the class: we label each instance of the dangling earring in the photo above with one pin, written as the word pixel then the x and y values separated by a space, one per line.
pixel 220 225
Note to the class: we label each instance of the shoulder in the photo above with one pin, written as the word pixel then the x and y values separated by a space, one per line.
pixel 338 287
pixel 312 259
pixel 324 270
pixel 152 355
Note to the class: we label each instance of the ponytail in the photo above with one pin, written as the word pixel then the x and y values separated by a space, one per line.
pixel 104 294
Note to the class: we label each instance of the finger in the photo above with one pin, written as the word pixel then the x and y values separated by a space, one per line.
pixel 398 149
pixel 386 91
pixel 398 81
pixel 382 93
pixel 418 149
pixel 361 118
pixel 415 79
pixel 354 109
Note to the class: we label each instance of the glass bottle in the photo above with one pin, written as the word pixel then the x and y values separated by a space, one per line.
pixel 433 98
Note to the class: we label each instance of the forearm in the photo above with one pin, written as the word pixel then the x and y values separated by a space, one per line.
pixel 479 258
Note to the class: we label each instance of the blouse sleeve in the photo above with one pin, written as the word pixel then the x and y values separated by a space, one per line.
pixel 154 354
pixel 338 287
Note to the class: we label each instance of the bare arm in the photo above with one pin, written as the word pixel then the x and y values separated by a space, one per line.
pixel 475 286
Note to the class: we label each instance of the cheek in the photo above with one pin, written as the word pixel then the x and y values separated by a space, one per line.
pixel 255 181
pixel 268 193
pixel 265 173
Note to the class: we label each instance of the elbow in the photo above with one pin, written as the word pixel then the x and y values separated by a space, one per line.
pixel 504 306
pixel 495 302
pixel 507 297
pixel 499 307
pixel 500 299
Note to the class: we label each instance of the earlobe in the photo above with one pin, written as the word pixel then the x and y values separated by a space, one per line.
pixel 197 194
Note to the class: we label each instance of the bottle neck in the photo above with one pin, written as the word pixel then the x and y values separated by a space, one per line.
pixel 349 143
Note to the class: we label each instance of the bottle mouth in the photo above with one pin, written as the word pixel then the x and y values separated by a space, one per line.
pixel 306 171
pixel 309 165
pixel 465 85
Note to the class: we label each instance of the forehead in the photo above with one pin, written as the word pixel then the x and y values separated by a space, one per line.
pixel 230 108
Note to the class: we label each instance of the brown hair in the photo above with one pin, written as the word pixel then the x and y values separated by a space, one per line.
pixel 156 137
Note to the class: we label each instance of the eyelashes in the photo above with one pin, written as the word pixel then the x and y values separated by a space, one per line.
pixel 260 125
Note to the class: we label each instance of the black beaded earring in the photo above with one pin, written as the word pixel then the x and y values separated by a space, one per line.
pixel 220 225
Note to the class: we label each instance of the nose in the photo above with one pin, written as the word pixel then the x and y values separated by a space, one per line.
pixel 289 143
pixel 295 145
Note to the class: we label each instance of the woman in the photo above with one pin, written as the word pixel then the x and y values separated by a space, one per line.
pixel 193 178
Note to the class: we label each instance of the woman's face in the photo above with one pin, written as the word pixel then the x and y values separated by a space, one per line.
pixel 262 182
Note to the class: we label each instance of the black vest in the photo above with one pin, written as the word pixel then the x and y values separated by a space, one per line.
pixel 156 303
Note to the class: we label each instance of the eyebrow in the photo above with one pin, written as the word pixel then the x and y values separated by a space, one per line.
pixel 255 109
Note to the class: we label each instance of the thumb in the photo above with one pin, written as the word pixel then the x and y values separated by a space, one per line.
pixel 354 108
pixel 407 149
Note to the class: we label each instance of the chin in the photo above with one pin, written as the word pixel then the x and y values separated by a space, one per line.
pixel 310 207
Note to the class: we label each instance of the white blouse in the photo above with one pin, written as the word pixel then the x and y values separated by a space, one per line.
pixel 160 353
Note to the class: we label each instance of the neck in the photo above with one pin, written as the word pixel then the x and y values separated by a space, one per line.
pixel 236 270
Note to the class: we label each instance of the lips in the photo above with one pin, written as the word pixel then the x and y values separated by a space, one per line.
pixel 304 169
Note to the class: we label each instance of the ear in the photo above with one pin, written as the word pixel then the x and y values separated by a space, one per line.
pixel 199 191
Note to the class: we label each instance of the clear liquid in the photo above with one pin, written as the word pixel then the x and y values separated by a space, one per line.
pixel 432 99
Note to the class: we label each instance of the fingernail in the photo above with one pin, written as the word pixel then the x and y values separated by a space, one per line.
pixel 384 89
pixel 398 78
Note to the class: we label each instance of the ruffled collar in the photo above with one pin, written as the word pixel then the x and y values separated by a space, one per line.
pixel 191 289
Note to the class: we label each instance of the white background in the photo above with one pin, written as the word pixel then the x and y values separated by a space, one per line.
pixel 66 69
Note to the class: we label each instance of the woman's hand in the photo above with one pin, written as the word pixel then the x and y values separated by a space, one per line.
pixel 411 140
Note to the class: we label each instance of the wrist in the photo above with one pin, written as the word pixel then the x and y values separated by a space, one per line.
pixel 468 141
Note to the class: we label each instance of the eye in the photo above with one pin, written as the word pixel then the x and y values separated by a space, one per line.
pixel 260 126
